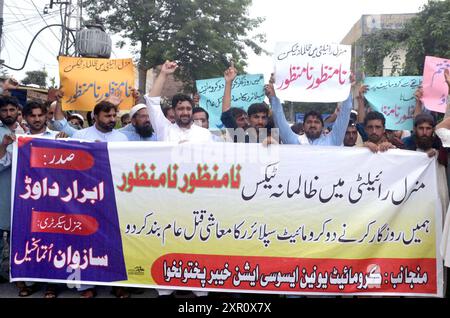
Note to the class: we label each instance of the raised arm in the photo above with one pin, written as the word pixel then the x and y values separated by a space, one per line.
pixel 6 151
pixel 447 80
pixel 286 134
pixel 229 75
pixel 159 122
pixel 59 114
pixel 337 134
pixel 167 68
pixel 340 125
pixel 61 123
pixel 361 105
pixel 332 118
pixel 418 94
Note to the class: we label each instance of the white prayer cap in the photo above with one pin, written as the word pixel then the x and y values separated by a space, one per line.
pixel 136 108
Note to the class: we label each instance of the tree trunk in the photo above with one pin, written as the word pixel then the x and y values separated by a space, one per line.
pixel 142 80
pixel 142 69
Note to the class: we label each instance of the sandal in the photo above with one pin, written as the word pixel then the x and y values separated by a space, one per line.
pixel 24 290
pixel 120 292
pixel 88 293
pixel 50 292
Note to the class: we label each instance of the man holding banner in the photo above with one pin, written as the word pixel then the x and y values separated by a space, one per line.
pixel 183 129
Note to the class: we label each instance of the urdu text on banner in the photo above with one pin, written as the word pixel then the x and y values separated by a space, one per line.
pixel 225 216
pixel 435 88
pixel 87 81
pixel 312 72
pixel 246 89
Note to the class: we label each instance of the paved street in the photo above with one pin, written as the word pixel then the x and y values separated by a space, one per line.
pixel 8 290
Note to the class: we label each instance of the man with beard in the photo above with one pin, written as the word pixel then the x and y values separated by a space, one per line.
pixel 183 129
pixel 105 114
pixel 374 126
pixel 140 128
pixel 35 114
pixel 425 140
pixel 9 107
pixel 312 124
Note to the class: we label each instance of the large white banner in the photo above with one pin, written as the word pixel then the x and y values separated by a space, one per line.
pixel 230 217
pixel 312 72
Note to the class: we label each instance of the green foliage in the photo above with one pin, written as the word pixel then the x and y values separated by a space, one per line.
pixel 376 46
pixel 195 33
pixel 426 34
pixel 36 77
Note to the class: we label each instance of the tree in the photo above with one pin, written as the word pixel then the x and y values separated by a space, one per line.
pixel 426 34
pixel 378 45
pixel 36 77
pixel 195 33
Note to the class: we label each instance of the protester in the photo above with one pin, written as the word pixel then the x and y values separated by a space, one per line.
pixel 9 107
pixel 200 117
pixel 312 124
pixel 183 129
pixel 140 127
pixel 351 134
pixel 50 114
pixel 76 121
pixel 374 127
pixel 125 119
pixel 169 113
pixel 248 127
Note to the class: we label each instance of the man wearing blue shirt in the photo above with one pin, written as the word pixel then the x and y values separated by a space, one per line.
pixel 140 128
pixel 313 124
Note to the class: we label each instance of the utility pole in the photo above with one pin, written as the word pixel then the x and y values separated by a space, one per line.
pixel 71 20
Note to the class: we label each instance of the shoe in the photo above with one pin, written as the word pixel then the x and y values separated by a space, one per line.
pixel 24 290
pixel 50 292
pixel 120 292
pixel 88 293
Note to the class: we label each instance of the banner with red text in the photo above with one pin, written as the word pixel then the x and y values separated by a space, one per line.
pixel 228 217
pixel 312 72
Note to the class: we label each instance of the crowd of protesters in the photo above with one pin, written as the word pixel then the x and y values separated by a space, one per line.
pixel 185 121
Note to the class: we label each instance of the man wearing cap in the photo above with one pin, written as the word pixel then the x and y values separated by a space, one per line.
pixel 140 128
